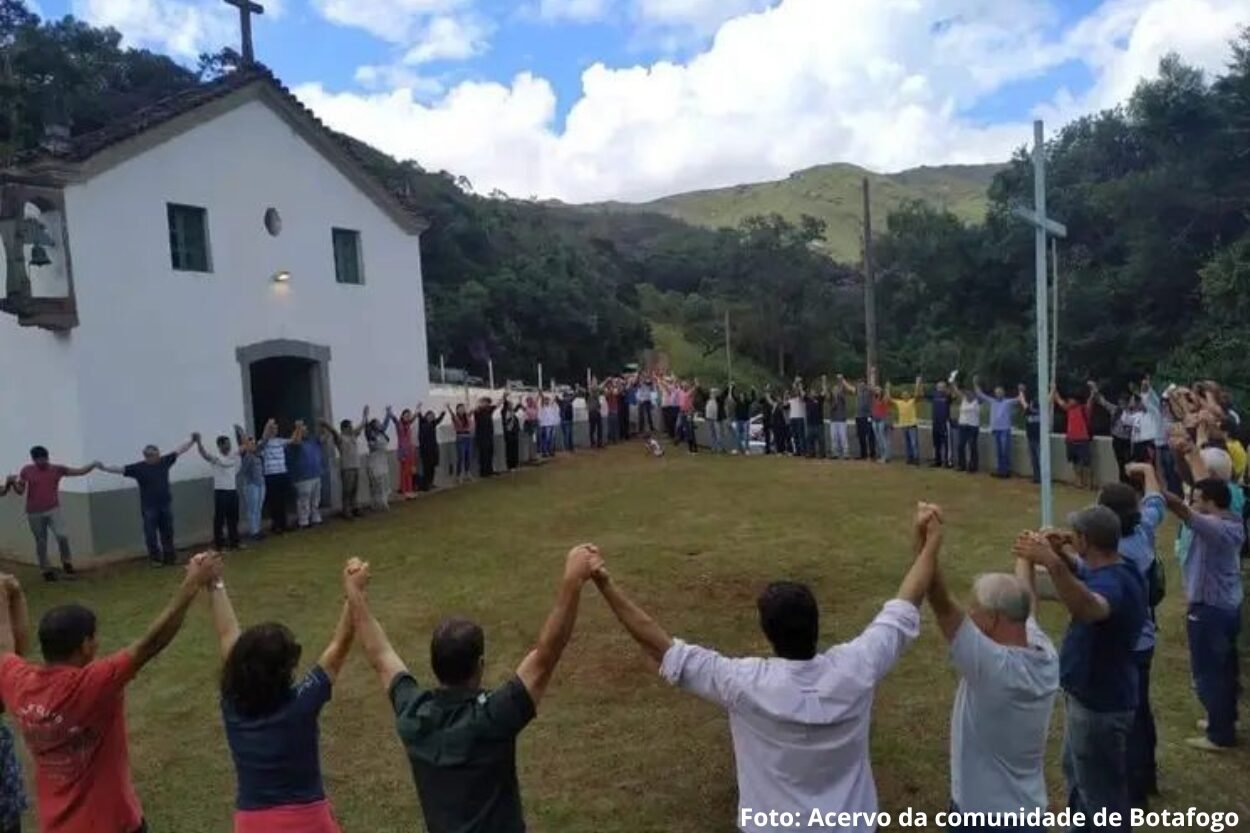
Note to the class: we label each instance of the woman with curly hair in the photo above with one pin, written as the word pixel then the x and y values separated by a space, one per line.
pixel 271 720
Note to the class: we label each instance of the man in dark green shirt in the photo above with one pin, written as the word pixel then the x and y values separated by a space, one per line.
pixel 460 738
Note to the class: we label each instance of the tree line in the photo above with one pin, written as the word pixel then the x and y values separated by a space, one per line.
pixel 1155 271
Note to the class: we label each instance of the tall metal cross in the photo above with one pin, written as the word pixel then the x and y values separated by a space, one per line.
pixel 1043 225
pixel 246 10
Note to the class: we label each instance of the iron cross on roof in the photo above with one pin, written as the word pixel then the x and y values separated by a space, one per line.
pixel 246 10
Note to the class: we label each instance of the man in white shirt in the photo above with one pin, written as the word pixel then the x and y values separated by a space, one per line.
pixel 1148 426
pixel 798 419
pixel 225 466
pixel 1008 678
pixel 799 720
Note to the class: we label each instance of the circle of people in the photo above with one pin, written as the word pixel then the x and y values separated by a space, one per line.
pixel 460 737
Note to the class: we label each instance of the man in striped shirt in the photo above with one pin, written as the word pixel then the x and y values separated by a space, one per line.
pixel 277 479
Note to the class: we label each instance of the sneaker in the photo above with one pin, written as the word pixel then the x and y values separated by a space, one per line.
pixel 68 569
pixel 155 563
pixel 1205 745
pixel 69 575
pixel 1203 724
pixel 49 575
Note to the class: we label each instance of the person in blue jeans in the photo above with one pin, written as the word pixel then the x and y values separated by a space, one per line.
pixel 740 405
pixel 1140 506
pixel 155 498
pixel 1002 409
pixel 1032 431
pixel 566 419
pixel 1212 568
pixel 1107 599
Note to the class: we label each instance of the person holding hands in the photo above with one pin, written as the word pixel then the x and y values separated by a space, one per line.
pixel 460 738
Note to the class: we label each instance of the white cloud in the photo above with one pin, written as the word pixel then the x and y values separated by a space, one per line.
pixel 1127 38
pixel 396 77
pixel 448 38
pixel 700 14
pixel 883 83
pixel 395 21
pixel 182 28
pixel 577 11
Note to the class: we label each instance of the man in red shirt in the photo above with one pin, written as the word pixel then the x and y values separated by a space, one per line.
pixel 1080 451
pixel 71 709
pixel 40 481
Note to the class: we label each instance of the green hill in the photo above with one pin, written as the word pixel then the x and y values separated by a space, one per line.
pixel 688 360
pixel 831 193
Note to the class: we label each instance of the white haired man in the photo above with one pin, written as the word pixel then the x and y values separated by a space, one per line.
pixel 1107 599
pixel 1008 677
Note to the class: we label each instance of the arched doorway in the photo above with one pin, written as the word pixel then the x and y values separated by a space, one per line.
pixel 286 380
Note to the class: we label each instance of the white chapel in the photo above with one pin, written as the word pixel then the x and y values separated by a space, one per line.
pixel 219 257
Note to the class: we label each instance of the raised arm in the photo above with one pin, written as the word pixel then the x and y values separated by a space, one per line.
pixel 1081 602
pixel 378 651
pixel 1026 573
pixel 916 583
pixel 14 620
pixel 980 394
pixel 185 447
pixel 118 470
pixel 8 640
pixel 208 458
pixel 1150 478
pixel 225 623
pixel 166 626
pixel 331 430
pixel 538 666
pixel 1178 507
pixel 947 611
pixel 652 638
pixel 335 654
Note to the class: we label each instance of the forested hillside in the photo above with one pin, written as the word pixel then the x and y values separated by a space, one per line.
pixel 1156 272
pixel 832 194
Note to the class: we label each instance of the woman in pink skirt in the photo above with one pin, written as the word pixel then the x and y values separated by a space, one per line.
pixel 272 720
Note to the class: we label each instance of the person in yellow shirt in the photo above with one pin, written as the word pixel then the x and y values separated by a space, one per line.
pixel 906 422
pixel 1237 451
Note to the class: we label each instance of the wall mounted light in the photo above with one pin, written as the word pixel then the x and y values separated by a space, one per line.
pixel 282 276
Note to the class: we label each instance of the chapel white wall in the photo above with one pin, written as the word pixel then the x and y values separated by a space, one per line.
pixel 155 350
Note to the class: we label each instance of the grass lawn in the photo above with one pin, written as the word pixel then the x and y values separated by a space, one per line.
pixel 614 750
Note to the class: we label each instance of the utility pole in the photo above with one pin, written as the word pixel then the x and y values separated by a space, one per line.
pixel 870 289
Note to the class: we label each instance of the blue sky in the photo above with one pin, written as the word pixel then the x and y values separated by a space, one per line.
pixel 597 99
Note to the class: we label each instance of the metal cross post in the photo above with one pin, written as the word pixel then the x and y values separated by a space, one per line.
pixel 246 10
pixel 1043 226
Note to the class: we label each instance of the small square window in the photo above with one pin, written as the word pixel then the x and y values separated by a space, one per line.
pixel 188 238
pixel 348 267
